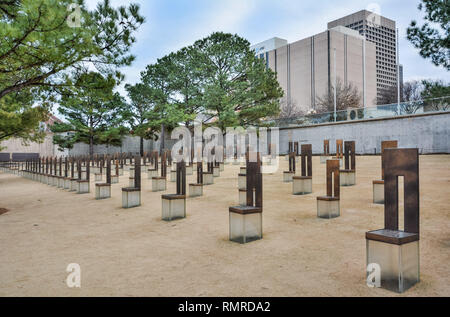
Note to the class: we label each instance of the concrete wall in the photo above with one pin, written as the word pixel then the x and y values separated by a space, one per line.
pixel 47 148
pixel 430 133
pixel 130 144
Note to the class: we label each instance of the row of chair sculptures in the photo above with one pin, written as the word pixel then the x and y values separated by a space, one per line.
pixel 246 219
pixel 393 250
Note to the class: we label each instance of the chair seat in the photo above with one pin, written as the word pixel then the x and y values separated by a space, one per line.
pixel 302 177
pixel 392 236
pixel 245 210
pixel 173 197
pixel 327 198
pixel 131 189
pixel 103 185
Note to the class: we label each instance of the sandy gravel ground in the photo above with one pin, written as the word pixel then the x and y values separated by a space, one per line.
pixel 134 253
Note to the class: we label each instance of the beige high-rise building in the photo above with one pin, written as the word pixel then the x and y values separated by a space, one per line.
pixel 306 68
pixel 381 31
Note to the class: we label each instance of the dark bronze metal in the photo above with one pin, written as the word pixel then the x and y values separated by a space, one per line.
pixel 292 162
pixel 108 170
pixel 79 169
pixel 88 170
pixel 154 160
pixel 66 167
pixel 350 155
pixel 392 236
pixel 386 145
pixel 137 172
pixel 164 164
pixel 401 162
pixel 339 148
pixel 326 147
pixel 181 178
pixel 200 173
pixel 306 160
pixel 210 166
pixel 333 169
pixel 254 183
pixel 72 168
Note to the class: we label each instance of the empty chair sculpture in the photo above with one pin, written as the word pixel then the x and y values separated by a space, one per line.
pixel 302 185
pixel 208 177
pixel 348 175
pixel 103 190
pixel 174 205
pixel 131 196
pixel 84 184
pixel 328 206
pixel 246 221
pixel 115 177
pixel 159 184
pixel 196 189
pixel 153 172
pixel 288 175
pixel 396 252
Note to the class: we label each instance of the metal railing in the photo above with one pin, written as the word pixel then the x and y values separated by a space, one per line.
pixel 384 111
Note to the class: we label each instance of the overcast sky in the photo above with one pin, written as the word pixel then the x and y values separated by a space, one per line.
pixel 173 24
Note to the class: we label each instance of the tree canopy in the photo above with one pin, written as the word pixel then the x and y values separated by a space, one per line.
pixel 433 37
pixel 219 78
pixel 93 113
pixel 41 53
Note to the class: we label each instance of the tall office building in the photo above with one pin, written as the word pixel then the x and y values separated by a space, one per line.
pixel 381 31
pixel 307 69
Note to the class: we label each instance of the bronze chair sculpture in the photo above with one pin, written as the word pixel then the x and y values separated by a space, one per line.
pixel 174 205
pixel 131 196
pixel 246 221
pixel 302 185
pixel 348 175
pixel 329 206
pixel 396 252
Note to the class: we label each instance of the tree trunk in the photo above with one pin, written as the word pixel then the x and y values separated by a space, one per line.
pixel 91 146
pixel 141 146
pixel 161 144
